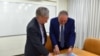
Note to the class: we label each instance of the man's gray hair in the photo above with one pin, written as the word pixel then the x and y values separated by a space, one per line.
pixel 63 12
pixel 42 11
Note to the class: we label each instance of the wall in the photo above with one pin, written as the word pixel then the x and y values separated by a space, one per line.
pixel 14 45
pixel 10 46
pixel 61 5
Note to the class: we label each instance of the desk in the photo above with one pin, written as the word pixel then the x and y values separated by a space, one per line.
pixel 80 52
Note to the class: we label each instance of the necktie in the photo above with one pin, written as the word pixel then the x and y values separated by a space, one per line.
pixel 62 37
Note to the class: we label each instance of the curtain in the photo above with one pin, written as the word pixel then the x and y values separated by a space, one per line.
pixel 87 19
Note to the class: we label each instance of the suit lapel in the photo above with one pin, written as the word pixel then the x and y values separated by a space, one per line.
pixel 44 31
pixel 37 26
pixel 66 30
pixel 57 26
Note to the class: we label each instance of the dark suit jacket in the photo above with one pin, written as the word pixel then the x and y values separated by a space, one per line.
pixel 69 33
pixel 34 45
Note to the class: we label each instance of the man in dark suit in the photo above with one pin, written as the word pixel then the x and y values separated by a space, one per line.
pixel 36 34
pixel 62 33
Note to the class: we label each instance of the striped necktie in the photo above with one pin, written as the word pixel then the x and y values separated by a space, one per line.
pixel 62 37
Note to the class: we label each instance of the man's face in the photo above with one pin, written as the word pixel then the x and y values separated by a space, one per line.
pixel 43 19
pixel 63 19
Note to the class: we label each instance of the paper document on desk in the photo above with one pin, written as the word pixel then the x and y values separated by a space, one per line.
pixel 72 54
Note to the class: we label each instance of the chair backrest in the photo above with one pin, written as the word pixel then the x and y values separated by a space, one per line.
pixel 48 45
pixel 92 45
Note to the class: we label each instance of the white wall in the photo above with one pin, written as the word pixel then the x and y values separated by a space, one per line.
pixel 61 5
pixel 10 46
pixel 14 45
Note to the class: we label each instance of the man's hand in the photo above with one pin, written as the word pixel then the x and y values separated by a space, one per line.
pixel 56 50
pixel 69 51
pixel 50 54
